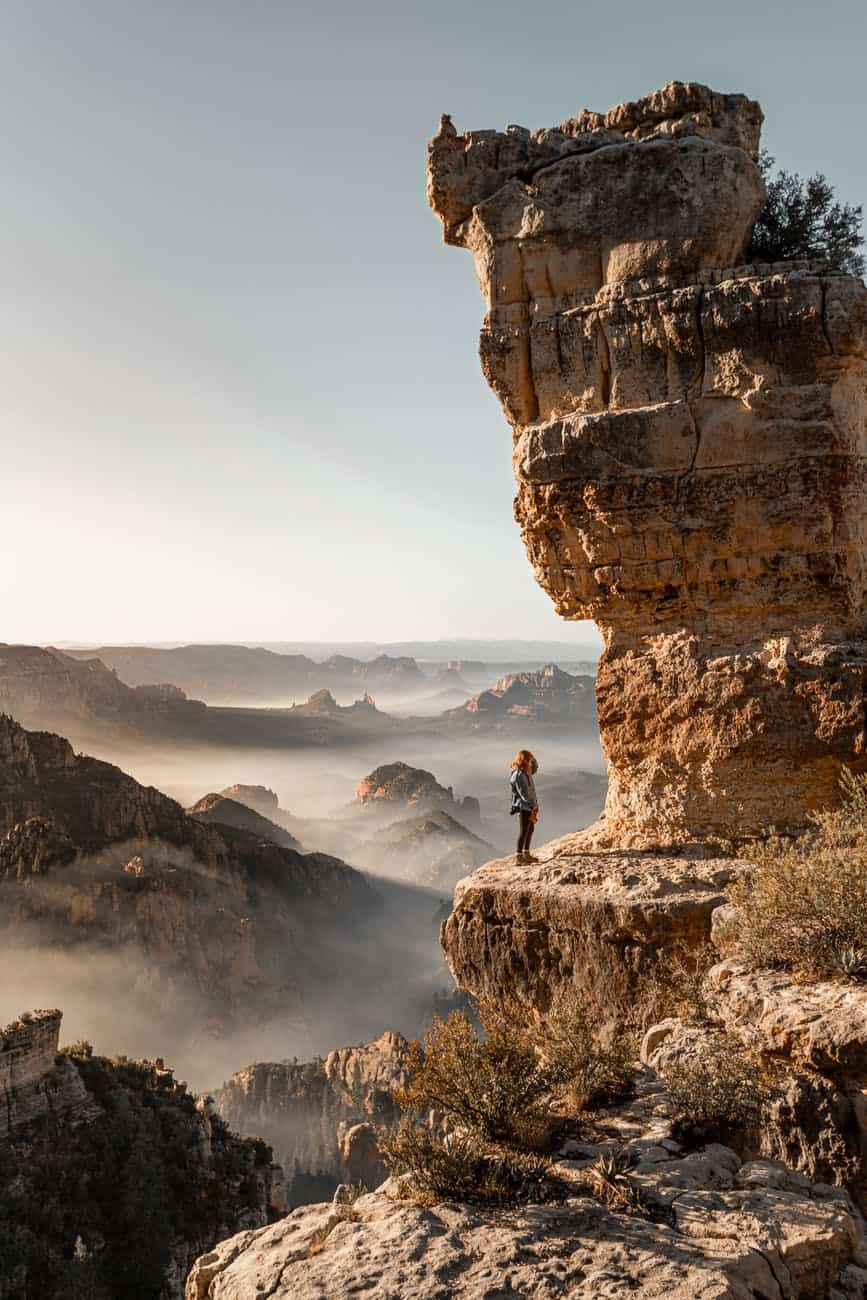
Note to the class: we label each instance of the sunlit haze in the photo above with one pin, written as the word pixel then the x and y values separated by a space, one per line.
pixel 241 394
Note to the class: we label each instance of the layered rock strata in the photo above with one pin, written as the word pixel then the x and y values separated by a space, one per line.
pixel 597 922
pixel 688 445
pixel 35 1082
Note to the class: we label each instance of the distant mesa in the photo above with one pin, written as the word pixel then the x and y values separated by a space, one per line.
pixel 322 703
pixel 400 785
pixel 549 697
pixel 258 797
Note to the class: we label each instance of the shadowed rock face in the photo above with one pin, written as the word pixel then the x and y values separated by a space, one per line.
pixel 688 448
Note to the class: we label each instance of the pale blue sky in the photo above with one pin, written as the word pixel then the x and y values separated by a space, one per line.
pixel 241 395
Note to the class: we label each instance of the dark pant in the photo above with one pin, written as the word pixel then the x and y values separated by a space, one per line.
pixel 525 832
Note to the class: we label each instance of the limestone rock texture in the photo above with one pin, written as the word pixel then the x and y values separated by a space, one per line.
pixel 717 1228
pixel 688 445
pixel 817 1033
pixel 36 1083
pixel 595 921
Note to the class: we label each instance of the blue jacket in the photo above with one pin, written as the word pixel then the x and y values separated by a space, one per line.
pixel 523 791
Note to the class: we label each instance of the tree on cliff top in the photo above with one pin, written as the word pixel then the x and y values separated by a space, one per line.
pixel 802 219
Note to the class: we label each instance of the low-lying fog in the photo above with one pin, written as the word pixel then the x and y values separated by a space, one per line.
pixel 385 973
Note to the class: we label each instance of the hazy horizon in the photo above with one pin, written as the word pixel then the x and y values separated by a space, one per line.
pixel 242 386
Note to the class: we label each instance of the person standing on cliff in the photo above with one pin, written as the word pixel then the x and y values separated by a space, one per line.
pixel 524 800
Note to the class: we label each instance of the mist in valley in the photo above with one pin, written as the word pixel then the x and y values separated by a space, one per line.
pixel 369 972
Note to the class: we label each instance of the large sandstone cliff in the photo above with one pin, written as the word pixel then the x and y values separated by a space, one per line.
pixel 320 1116
pixel 688 438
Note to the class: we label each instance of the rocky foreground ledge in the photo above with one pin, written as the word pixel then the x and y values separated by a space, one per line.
pixel 596 921
pixel 714 1228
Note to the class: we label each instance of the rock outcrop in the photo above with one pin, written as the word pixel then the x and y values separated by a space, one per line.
pixel 597 922
pixel 36 1083
pixel 112 1178
pixel 320 1115
pixel 521 702
pixel 688 448
pixel 395 787
pixel 716 1228
pixel 817 1033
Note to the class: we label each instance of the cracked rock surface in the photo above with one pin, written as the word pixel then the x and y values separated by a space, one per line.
pixel 717 1228
pixel 688 445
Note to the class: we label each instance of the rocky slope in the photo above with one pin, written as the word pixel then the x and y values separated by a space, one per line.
pixel 715 1227
pixel 320 1115
pixel 819 1034
pixel 687 446
pixel 218 809
pixel 433 850
pixel 112 1178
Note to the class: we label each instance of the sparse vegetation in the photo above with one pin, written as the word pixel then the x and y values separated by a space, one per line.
pixel 674 986
pixel 804 904
pixel 509 1090
pixel 497 1086
pixel 802 219
pixel 463 1167
pixel 718 1095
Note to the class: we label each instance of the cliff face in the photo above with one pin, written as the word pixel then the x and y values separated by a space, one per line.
pixel 319 1115
pixel 688 437
pixel 112 1179
pixel 35 1082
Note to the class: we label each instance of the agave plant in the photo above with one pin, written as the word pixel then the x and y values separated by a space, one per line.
pixel 851 962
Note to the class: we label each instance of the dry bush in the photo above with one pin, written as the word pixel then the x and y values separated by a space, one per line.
pixel 674 986
pixel 804 904
pixel 520 1083
pixel 463 1167
pixel 586 1073
pixel 497 1086
pixel 720 1095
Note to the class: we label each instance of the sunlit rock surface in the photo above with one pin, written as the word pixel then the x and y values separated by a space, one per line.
pixel 688 438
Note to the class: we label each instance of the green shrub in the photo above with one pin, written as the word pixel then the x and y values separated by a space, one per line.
pixel 465 1168
pixel 803 905
pixel 801 219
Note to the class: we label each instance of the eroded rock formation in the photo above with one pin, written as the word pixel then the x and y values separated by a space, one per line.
pixel 319 1115
pixel 688 447
pixel 725 1230
pixel 597 922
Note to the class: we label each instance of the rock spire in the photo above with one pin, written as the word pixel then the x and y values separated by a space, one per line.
pixel 689 449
